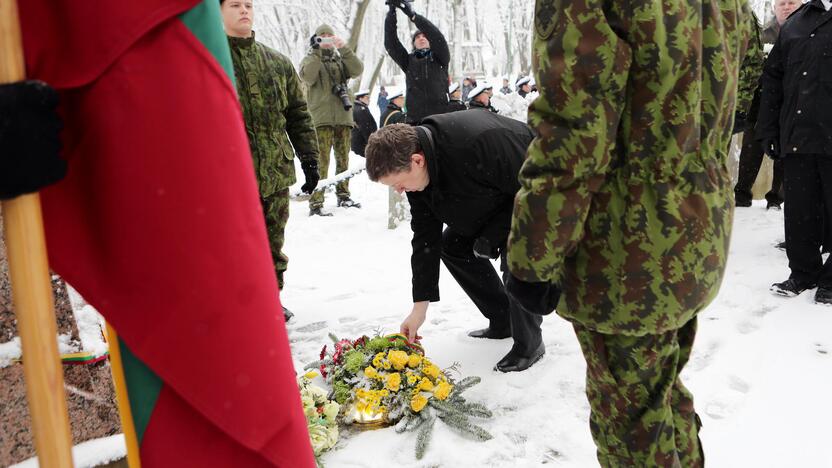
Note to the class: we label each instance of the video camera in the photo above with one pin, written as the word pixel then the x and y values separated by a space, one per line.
pixel 316 41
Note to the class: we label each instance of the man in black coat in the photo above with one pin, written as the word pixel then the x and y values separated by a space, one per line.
pixel 795 124
pixel 460 169
pixel 425 68
pixel 365 124
pixel 394 113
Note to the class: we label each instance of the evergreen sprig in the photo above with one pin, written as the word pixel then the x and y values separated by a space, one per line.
pixel 424 435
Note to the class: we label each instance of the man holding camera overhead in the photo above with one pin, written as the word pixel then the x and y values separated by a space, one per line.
pixel 325 70
pixel 425 68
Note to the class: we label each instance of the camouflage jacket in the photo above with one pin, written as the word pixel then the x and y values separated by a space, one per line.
pixel 625 195
pixel 321 70
pixel 751 68
pixel 274 111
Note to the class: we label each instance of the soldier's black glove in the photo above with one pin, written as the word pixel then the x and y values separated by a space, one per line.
pixel 391 4
pixel 771 146
pixel 739 122
pixel 484 249
pixel 534 298
pixel 29 144
pixel 407 9
pixel 309 164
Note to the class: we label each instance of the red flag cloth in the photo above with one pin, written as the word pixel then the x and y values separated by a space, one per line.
pixel 159 226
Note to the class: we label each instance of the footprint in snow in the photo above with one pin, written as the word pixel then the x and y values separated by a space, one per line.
pixel 821 349
pixel 738 384
pixel 745 327
pixel 311 327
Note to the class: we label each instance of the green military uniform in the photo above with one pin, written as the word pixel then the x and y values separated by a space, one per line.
pixel 321 70
pixel 751 69
pixel 625 200
pixel 276 119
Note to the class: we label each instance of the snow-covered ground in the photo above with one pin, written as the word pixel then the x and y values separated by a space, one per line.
pixel 761 369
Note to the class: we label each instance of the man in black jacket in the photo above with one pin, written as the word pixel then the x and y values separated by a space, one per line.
pixel 394 113
pixel 460 169
pixel 365 124
pixel 425 68
pixel 795 124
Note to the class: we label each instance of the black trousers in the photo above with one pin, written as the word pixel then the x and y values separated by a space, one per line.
pixel 483 285
pixel 751 158
pixel 808 184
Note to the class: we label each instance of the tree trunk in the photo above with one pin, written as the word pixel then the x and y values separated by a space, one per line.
pixel 376 72
pixel 456 61
pixel 357 24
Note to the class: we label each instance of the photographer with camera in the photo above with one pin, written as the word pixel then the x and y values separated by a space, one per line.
pixel 425 68
pixel 325 71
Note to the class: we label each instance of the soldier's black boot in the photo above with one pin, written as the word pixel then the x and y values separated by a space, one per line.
pixel 773 205
pixel 317 211
pixel 348 202
pixel 287 314
pixel 791 287
pixel 490 333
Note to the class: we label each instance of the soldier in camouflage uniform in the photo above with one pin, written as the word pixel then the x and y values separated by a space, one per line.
pixel 326 68
pixel 625 202
pixel 276 119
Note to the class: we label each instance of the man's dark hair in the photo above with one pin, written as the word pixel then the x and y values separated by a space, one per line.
pixel 389 150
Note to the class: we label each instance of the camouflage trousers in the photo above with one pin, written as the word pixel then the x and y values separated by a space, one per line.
pixel 276 211
pixel 331 137
pixel 641 414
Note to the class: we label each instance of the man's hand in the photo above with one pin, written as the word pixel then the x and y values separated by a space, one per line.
pixel 338 42
pixel 484 249
pixel 771 146
pixel 410 326
pixel 309 164
pixel 535 298
pixel 407 9
pixel 29 143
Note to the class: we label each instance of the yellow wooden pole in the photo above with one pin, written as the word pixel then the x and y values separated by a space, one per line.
pixel 32 289
pixel 122 399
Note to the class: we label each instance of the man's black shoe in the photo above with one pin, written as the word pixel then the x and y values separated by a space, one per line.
pixel 790 288
pixel 316 211
pixel 348 203
pixel 490 333
pixel 823 296
pixel 773 205
pixel 287 314
pixel 515 363
pixel 742 201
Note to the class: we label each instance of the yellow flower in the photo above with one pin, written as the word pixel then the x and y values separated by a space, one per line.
pixel 425 385
pixel 414 360
pixel 386 365
pixel 370 372
pixel 418 402
pixel 383 392
pixel 442 390
pixel 397 358
pixel 393 381
pixel 411 379
pixel 377 359
pixel 311 374
pixel 431 371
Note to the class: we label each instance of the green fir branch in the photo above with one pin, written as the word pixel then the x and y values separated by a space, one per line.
pixel 333 337
pixel 423 437
pixel 462 424
pixel 466 383
pixel 478 410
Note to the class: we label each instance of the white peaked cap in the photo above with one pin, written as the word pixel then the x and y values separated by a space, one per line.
pixel 453 87
pixel 480 88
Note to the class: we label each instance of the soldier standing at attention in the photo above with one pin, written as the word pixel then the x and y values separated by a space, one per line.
pixel 326 68
pixel 625 202
pixel 276 119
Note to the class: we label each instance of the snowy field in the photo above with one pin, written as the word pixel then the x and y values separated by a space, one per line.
pixel 761 369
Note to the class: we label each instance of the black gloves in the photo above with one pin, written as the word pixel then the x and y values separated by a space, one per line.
pixel 484 249
pixel 771 146
pixel 309 164
pixel 739 122
pixel 535 298
pixel 29 143
pixel 403 5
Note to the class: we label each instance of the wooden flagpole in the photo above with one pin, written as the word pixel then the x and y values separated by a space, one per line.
pixel 122 399
pixel 32 289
